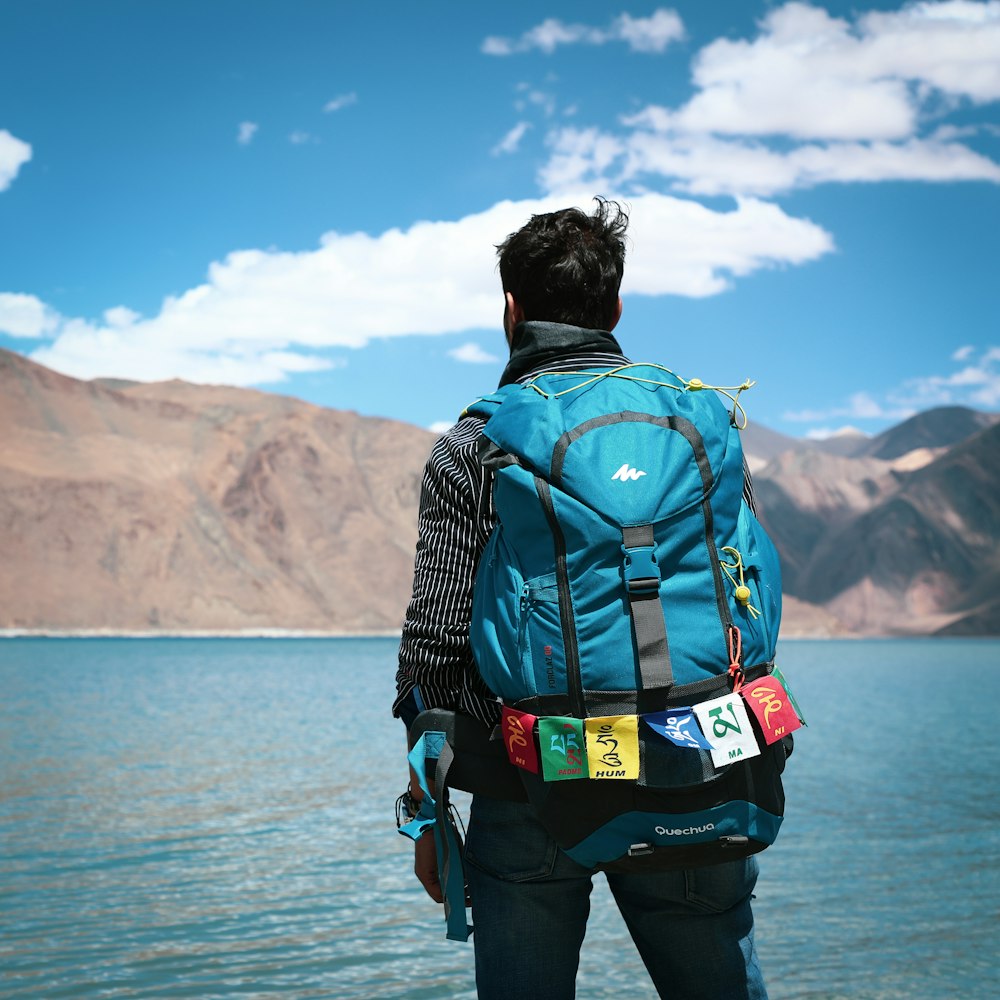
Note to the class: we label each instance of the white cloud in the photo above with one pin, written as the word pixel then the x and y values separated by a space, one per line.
pixel 121 316
pixel 859 406
pixel 299 138
pixel 285 362
pixel 684 248
pixel 496 46
pixel 262 313
pixel 708 165
pixel 535 97
pixel 510 142
pixel 26 316
pixel 641 34
pixel 14 154
pixel 545 36
pixel 863 405
pixel 825 433
pixel 812 99
pixel 813 76
pixel 975 385
pixel 246 132
pixel 340 102
pixel 473 354
pixel 441 426
pixel 87 350
pixel 952 46
pixel 581 156
pixel 649 34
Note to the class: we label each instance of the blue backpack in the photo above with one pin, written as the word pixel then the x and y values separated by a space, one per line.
pixel 625 607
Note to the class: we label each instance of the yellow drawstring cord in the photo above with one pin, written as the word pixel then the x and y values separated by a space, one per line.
pixel 742 592
pixel 686 385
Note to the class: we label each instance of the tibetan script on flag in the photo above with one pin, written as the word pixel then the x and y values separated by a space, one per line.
pixel 726 725
pixel 518 738
pixel 769 701
pixel 613 746
pixel 679 726
pixel 561 744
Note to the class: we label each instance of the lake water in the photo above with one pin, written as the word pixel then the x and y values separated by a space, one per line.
pixel 214 818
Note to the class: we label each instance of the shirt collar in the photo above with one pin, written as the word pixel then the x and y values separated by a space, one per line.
pixel 537 343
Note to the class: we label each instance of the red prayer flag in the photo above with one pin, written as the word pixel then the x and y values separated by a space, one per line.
pixel 772 706
pixel 519 738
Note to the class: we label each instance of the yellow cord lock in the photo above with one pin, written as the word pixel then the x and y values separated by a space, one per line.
pixel 741 592
pixel 695 384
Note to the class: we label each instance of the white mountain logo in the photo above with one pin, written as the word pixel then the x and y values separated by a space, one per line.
pixel 625 473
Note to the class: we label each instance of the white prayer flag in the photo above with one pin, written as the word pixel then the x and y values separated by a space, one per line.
pixel 726 725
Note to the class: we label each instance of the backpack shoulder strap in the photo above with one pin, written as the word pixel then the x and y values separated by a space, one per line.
pixel 486 406
pixel 483 407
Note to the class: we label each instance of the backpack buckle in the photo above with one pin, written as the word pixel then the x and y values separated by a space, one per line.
pixel 641 573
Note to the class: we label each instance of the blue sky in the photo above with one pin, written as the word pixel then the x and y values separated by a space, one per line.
pixel 303 197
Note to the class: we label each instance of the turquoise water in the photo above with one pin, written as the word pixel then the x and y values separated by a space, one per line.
pixel 213 818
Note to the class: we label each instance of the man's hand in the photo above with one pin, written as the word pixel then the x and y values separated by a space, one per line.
pixel 425 866
pixel 425 862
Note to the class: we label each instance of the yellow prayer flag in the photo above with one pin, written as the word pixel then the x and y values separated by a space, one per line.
pixel 613 746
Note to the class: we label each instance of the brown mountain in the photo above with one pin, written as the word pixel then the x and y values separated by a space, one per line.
pixel 761 444
pixel 804 495
pixel 128 506
pixel 173 507
pixel 904 547
pixel 941 427
pixel 934 429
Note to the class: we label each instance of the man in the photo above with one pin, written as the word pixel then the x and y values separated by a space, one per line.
pixel 561 274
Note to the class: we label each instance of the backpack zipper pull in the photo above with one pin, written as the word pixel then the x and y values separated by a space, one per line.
pixel 735 642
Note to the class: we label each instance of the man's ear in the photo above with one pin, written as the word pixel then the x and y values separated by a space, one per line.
pixel 618 315
pixel 514 310
pixel 512 315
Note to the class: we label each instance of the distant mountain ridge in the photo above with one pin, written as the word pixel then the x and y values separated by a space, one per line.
pixel 938 428
pixel 941 427
pixel 170 507
pixel 910 546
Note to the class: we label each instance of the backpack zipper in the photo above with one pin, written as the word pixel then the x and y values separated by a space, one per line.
pixel 571 651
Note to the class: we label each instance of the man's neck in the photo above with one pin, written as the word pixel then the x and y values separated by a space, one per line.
pixel 535 343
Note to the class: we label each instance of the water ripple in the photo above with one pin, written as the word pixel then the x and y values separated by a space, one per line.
pixel 213 818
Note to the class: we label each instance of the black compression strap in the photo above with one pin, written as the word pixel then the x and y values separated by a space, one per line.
pixel 648 624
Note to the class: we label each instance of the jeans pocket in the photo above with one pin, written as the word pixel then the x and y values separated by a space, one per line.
pixel 718 888
pixel 505 840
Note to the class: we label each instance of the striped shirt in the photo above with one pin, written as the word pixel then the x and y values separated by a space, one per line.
pixel 455 521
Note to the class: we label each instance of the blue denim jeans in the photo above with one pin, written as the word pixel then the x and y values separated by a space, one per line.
pixel 530 903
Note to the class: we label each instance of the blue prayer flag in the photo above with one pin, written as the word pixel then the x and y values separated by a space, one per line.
pixel 679 726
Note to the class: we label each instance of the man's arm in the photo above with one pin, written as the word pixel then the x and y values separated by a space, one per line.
pixel 748 494
pixel 435 659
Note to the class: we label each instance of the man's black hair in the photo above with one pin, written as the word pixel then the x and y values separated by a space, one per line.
pixel 566 266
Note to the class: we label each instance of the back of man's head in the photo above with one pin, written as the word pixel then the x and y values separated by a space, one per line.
pixel 566 266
